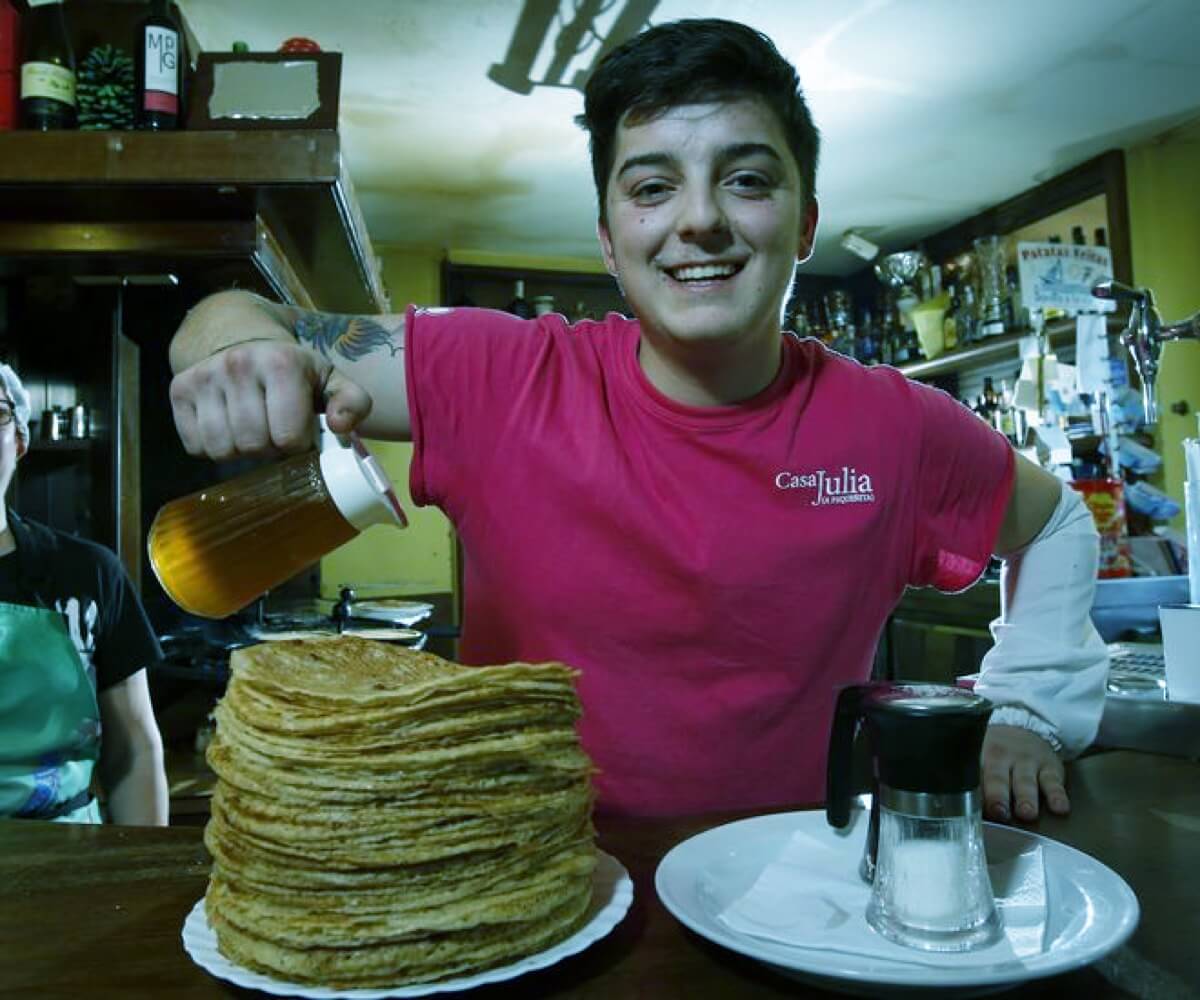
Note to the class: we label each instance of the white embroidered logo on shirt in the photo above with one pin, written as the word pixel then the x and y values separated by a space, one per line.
pixel 846 486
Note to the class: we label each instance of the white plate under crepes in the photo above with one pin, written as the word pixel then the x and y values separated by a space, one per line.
pixel 1090 910
pixel 612 894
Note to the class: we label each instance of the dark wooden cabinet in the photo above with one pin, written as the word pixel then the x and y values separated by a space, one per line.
pixel 106 240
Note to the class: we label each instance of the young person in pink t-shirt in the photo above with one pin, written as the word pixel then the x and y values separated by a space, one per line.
pixel 709 518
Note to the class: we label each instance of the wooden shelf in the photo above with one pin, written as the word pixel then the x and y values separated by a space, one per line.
pixel 997 349
pixel 277 202
pixel 65 446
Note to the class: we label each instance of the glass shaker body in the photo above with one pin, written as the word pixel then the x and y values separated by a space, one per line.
pixel 931 889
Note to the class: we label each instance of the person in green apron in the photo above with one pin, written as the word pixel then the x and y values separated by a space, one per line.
pixel 75 643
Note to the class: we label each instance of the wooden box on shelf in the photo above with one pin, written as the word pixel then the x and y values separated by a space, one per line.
pixel 265 90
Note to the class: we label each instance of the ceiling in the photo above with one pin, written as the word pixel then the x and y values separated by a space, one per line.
pixel 930 110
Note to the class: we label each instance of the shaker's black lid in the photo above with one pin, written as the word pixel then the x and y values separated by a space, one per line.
pixel 927 737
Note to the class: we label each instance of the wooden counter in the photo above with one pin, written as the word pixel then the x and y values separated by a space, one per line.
pixel 97 911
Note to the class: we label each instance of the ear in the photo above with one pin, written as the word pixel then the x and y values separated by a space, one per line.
pixel 606 247
pixel 22 446
pixel 808 231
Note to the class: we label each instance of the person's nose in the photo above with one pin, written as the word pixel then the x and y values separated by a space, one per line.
pixel 701 215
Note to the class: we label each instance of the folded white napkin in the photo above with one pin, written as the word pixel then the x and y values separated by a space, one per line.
pixel 812 897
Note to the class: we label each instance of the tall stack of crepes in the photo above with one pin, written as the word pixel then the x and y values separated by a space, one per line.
pixel 383 816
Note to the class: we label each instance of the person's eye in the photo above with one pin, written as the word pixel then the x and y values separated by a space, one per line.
pixel 749 182
pixel 650 192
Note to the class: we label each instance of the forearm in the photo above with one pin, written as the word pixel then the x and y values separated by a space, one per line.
pixel 333 348
pixel 136 786
pixel 1048 666
pixel 224 319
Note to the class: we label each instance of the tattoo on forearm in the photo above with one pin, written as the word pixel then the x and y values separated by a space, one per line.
pixel 353 337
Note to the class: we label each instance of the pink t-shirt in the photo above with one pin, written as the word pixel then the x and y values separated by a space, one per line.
pixel 714 573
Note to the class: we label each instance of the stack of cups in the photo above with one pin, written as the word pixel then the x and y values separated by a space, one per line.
pixel 1181 622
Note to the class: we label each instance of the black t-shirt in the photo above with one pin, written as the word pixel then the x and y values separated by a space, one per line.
pixel 89 587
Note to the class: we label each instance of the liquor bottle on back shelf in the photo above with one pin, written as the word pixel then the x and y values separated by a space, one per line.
pixel 47 68
pixel 519 306
pixel 950 319
pixel 158 76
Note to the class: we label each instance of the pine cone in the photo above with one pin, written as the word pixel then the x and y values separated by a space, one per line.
pixel 104 89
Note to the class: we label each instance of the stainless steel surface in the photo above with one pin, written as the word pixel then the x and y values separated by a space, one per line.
pixel 928 805
pixel 52 424
pixel 79 421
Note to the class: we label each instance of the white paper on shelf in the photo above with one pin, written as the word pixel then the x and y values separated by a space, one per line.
pixel 1091 353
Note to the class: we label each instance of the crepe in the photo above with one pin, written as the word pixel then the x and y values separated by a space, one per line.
pixel 383 816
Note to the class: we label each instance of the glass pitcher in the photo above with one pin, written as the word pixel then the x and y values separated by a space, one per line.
pixel 217 550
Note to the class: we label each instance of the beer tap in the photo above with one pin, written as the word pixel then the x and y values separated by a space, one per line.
pixel 1144 335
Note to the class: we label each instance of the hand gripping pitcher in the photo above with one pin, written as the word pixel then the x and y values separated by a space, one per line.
pixel 924 855
pixel 217 550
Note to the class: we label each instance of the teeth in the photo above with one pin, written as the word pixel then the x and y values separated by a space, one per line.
pixel 701 272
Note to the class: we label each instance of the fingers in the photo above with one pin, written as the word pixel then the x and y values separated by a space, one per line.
pixel 1025 789
pixel 1019 770
pixel 347 403
pixel 997 791
pixel 254 399
pixel 1054 791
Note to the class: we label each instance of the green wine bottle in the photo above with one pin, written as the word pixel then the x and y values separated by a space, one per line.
pixel 47 68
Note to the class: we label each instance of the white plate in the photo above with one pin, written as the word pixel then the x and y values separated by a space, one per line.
pixel 612 894
pixel 394 612
pixel 1090 909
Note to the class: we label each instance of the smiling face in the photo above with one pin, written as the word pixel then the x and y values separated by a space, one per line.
pixel 706 217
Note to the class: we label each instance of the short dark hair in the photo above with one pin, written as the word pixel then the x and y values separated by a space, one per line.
pixel 694 61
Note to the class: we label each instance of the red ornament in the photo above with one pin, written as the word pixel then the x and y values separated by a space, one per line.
pixel 299 44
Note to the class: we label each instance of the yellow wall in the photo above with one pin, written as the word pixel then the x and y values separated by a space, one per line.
pixel 1164 212
pixel 415 560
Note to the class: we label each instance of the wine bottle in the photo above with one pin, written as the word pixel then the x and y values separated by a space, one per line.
pixel 47 68
pixel 158 69
pixel 10 63
pixel 519 306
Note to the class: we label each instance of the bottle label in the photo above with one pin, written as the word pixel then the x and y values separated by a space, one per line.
pixel 156 100
pixel 41 79
pixel 162 61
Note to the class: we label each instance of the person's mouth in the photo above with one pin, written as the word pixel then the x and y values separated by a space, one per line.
pixel 706 273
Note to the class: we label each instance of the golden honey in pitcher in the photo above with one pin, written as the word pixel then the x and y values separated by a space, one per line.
pixel 217 550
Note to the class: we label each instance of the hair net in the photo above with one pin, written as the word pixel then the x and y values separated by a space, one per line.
pixel 20 399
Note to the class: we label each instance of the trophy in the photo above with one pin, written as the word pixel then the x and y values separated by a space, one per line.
pixel 899 270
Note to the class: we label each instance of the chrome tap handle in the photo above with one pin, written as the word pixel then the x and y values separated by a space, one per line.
pixel 1141 337
pixel 1120 293
pixel 1185 329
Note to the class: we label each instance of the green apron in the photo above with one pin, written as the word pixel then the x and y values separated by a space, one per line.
pixel 49 720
